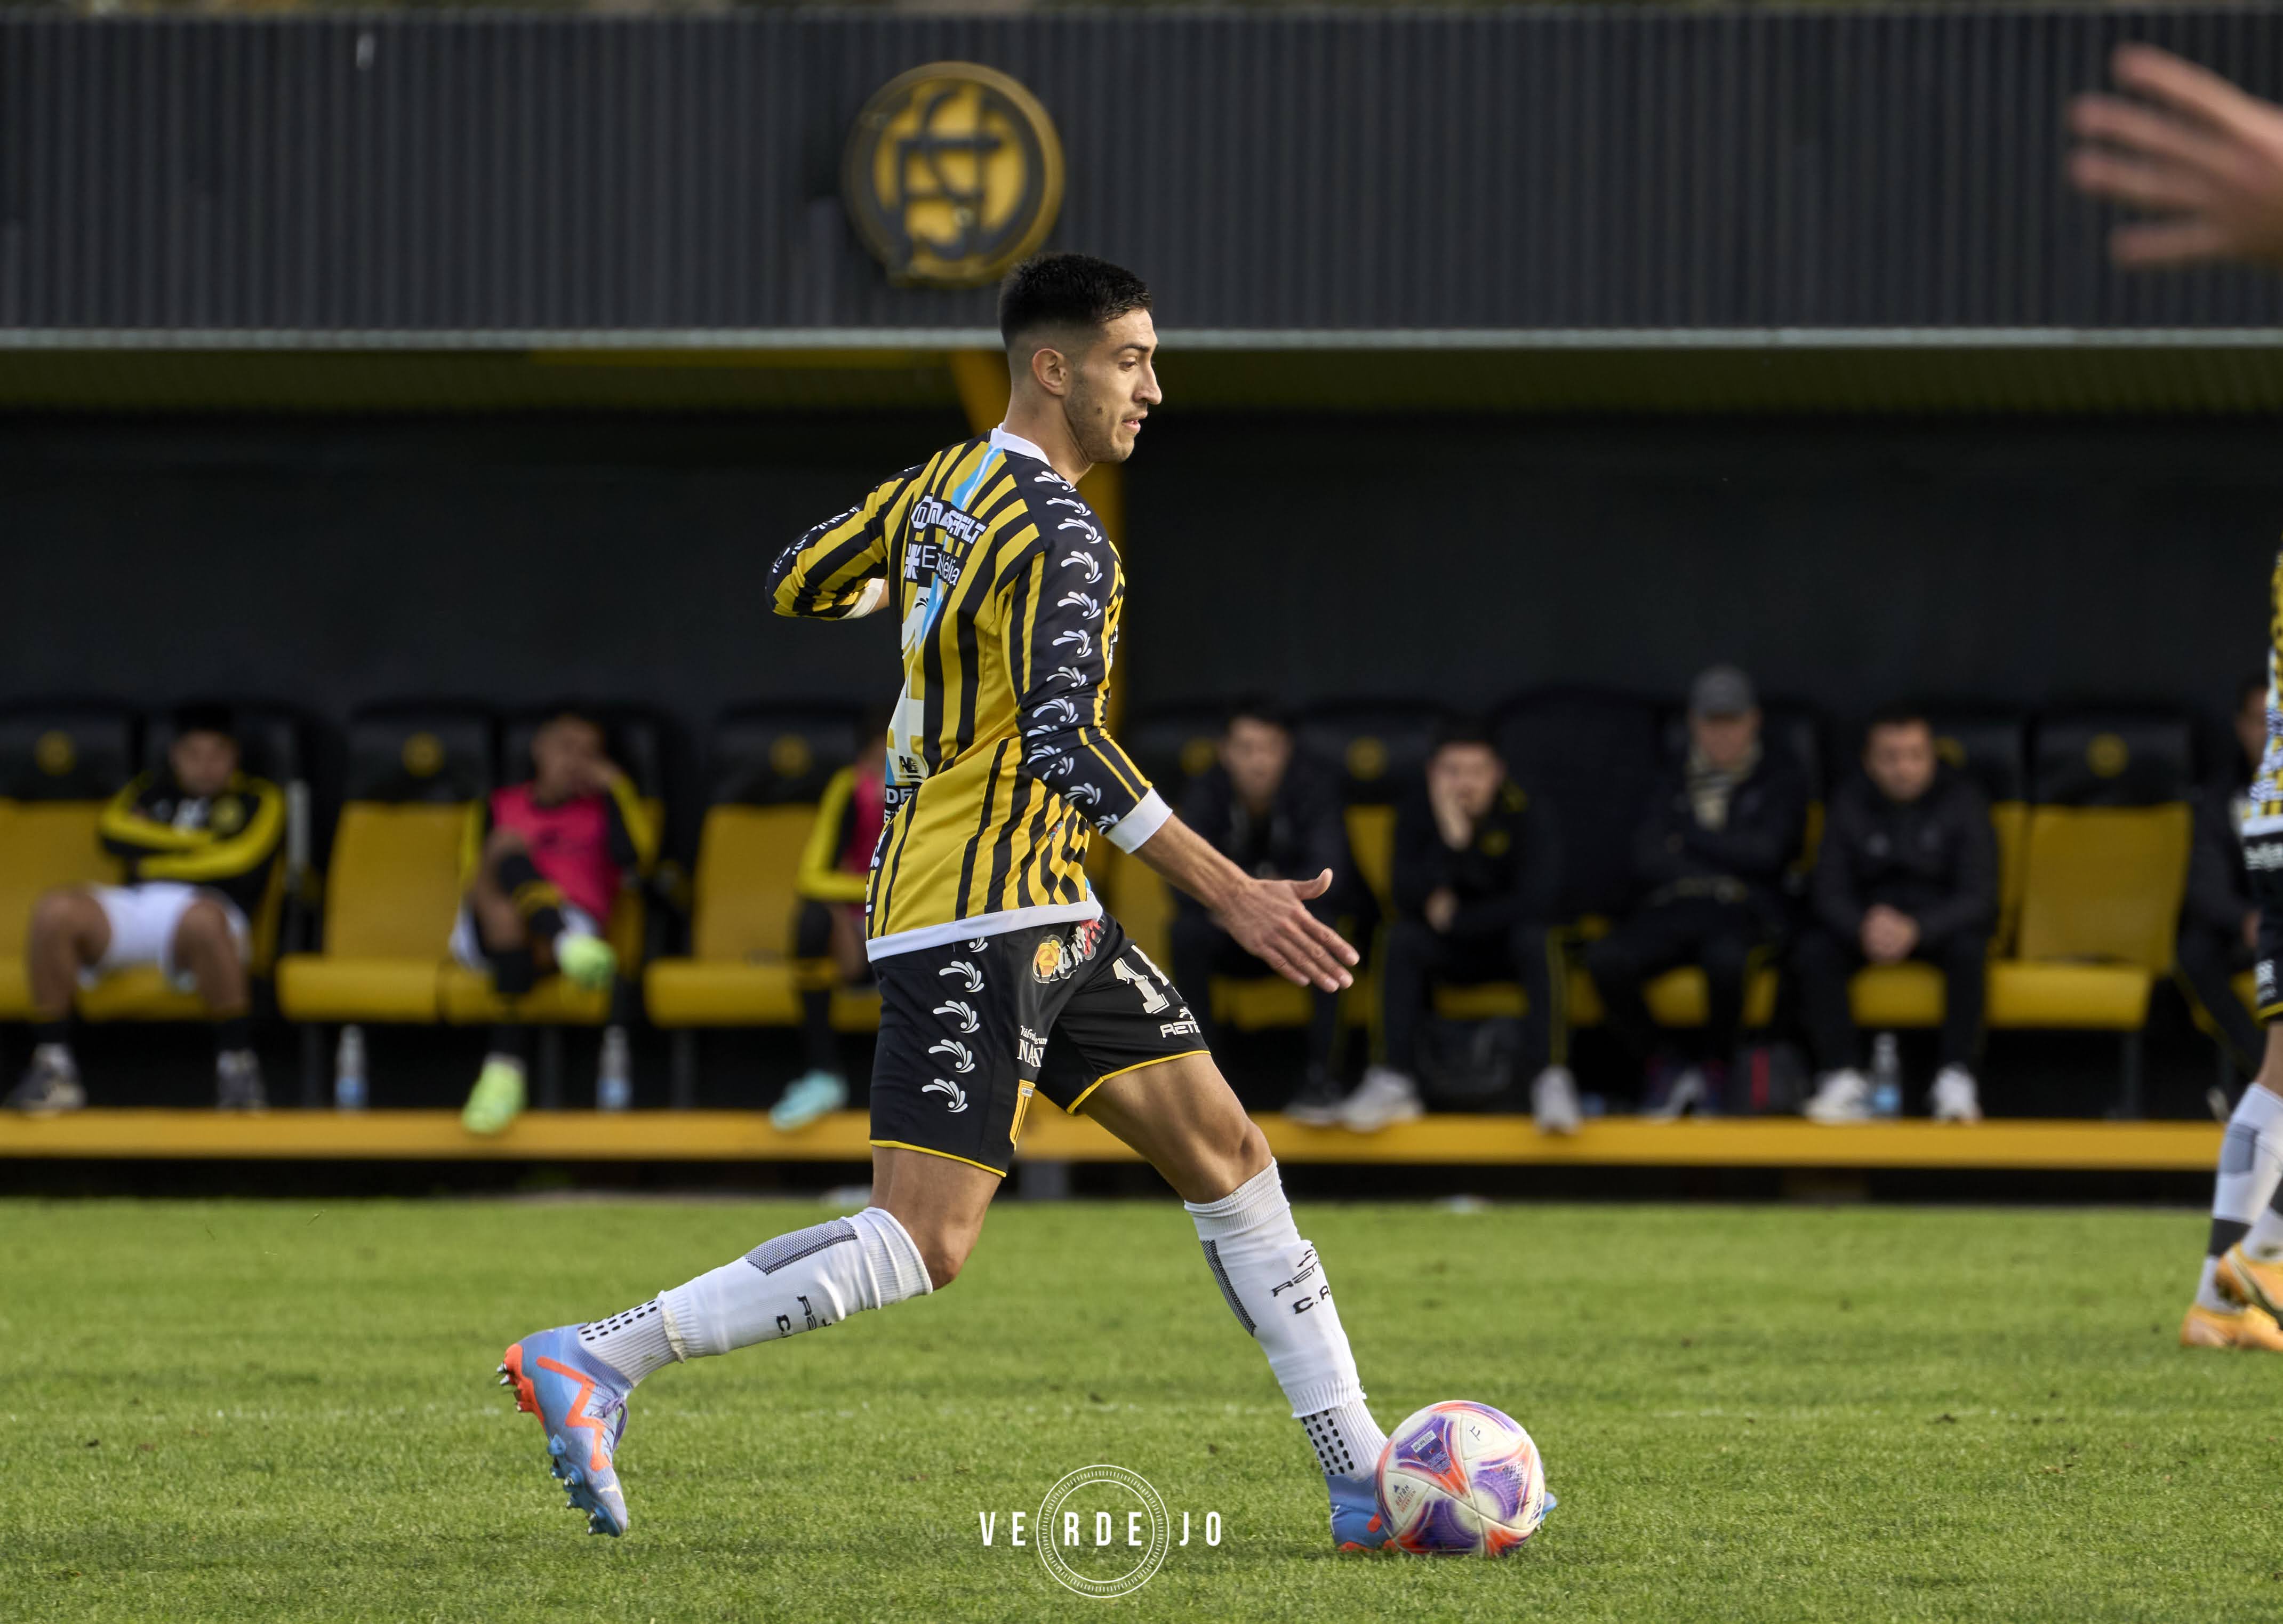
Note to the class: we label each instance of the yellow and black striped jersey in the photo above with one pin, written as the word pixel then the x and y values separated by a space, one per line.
pixel 2264 814
pixel 998 758
pixel 227 841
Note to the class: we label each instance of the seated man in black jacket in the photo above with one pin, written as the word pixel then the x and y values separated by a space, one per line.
pixel 2219 921
pixel 1276 817
pixel 197 842
pixel 1709 859
pixel 1476 875
pixel 1908 868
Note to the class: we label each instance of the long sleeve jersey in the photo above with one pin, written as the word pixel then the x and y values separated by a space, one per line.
pixel 1000 763
pixel 228 842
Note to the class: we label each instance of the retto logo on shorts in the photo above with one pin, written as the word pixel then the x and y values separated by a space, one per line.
pixel 1101 1531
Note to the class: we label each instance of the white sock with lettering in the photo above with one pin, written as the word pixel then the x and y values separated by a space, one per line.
pixel 2250 1168
pixel 803 1281
pixel 1275 1286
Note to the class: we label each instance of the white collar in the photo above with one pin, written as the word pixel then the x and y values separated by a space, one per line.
pixel 1003 440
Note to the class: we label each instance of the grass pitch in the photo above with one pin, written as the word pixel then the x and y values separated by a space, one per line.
pixel 227 1410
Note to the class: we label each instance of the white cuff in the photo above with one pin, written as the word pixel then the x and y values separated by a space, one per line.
pixel 1139 825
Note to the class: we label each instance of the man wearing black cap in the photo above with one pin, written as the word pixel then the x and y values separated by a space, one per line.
pixel 1710 860
pixel 197 840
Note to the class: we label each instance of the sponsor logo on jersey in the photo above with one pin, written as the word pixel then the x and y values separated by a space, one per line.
pixel 1030 1048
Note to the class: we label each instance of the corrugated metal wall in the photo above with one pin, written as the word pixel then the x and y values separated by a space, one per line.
pixel 1525 170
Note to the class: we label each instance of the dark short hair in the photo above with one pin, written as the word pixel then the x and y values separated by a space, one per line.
pixel 2257 682
pixel 1897 714
pixel 1256 707
pixel 1460 730
pixel 570 710
pixel 206 718
pixel 1066 289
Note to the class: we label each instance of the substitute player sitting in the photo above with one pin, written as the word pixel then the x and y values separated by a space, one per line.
pixel 198 839
pixel 554 853
pixel 1000 974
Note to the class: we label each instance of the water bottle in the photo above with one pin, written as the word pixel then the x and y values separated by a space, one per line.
pixel 348 1071
pixel 614 1083
pixel 1886 1076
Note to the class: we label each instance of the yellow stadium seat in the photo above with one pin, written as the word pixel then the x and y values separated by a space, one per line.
pixel 1371 842
pixel 392 894
pixel 43 844
pixel 739 971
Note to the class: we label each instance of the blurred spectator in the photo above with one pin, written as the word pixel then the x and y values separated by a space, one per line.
pixel 1476 875
pixel 554 851
pixel 2219 922
pixel 198 839
pixel 1276 817
pixel 1710 858
pixel 829 926
pixel 1907 870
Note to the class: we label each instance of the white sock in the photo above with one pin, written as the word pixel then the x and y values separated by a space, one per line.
pixel 2207 1292
pixel 633 1344
pixel 2265 1244
pixel 1275 1286
pixel 799 1281
pixel 2250 1168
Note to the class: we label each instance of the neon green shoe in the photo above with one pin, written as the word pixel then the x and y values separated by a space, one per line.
pixel 496 1100
pixel 590 961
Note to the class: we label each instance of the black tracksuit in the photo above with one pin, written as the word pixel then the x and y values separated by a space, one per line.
pixel 2211 948
pixel 1935 859
pixel 1304 833
pixel 1506 879
pixel 1710 897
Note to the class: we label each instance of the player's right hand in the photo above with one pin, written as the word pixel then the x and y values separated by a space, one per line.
pixel 1271 921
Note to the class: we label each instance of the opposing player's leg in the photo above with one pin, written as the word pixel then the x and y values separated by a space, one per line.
pixel 2236 1295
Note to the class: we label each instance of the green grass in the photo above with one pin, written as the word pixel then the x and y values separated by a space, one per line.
pixel 241 1410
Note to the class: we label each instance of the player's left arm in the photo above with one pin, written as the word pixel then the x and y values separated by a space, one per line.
pixel 1061 619
pixel 838 570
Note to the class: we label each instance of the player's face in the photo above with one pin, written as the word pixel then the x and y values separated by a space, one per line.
pixel 203 761
pixel 565 756
pixel 1112 388
pixel 1256 753
pixel 1900 760
pixel 1466 776
pixel 2251 725
pixel 1726 741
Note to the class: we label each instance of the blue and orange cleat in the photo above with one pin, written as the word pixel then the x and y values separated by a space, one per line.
pixel 1355 1515
pixel 582 1403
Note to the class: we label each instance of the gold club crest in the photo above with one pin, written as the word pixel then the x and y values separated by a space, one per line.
pixel 953 174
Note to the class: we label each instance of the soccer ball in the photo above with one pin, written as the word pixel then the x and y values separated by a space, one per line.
pixel 1461 1478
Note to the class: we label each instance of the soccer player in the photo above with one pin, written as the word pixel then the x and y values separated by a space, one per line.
pixel 2208 159
pixel 553 853
pixel 199 840
pixel 829 926
pixel 1000 974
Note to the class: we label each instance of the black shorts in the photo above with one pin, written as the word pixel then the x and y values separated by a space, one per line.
pixel 2267 967
pixel 967 1030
